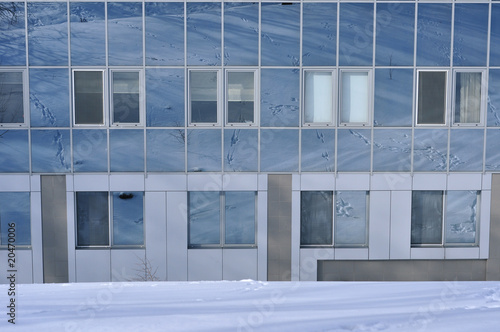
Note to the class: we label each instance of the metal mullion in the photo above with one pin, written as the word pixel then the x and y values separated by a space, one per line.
pixel 222 207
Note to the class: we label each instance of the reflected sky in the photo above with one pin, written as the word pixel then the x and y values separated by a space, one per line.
pixel 350 218
pixel 165 150
pixel 204 150
pixel 279 150
pixel 492 162
pixel 318 150
pixel 319 34
pixel 87 23
pixel 393 97
pixel 165 97
pixel 14 151
pixel 434 34
pixel 460 220
pixel 126 150
pixel 462 157
pixel 13 36
pixel 356 34
pixel 204 217
pixel 494 98
pixel 392 150
pixel 240 217
pixel 430 150
pixel 90 150
pixel 279 107
pixel 164 33
pixel 241 33
pixel 353 150
pixel 128 218
pixel 15 208
pixel 125 33
pixel 495 35
pixel 50 151
pixel 49 100
pixel 471 34
pixel 204 33
pixel 240 150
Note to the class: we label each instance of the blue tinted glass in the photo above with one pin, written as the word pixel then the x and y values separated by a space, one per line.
pixel 241 33
pixel 49 100
pixel 90 150
pixel 128 218
pixel 50 151
pixel 462 157
pixel 165 97
pixel 279 150
pixel 12 35
pixel 392 150
pixel 280 44
pixel 393 97
pixel 48 33
pixel 350 218
pixel 279 100
pixel 495 35
pixel 14 151
pixel 430 150
pixel 240 217
pixel 318 150
pixel 353 150
pixel 492 162
pixel 15 208
pixel 395 34
pixel 126 150
pixel 319 34
pixel 204 150
pixel 88 39
pixel 125 33
pixel 494 98
pixel 434 34
pixel 164 33
pixel 204 218
pixel 356 34
pixel 471 34
pixel 165 150
pixel 204 34
pixel 240 150
pixel 461 217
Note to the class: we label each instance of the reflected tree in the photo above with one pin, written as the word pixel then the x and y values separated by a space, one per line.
pixel 9 11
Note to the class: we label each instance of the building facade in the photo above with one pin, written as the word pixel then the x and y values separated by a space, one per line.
pixel 218 140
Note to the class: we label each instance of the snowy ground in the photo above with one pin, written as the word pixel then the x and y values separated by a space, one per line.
pixel 255 306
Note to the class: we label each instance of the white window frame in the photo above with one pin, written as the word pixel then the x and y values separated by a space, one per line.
pixel 26 100
pixel 141 98
pixel 104 98
pixel 484 97
pixel 448 97
pixel 369 97
pixel 219 98
pixel 333 101
pixel 255 97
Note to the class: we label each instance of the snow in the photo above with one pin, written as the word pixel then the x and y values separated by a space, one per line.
pixel 255 306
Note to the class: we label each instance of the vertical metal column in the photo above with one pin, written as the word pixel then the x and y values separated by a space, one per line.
pixel 54 229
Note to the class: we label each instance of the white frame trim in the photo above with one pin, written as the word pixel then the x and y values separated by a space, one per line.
pixel 484 97
pixel 26 99
pixel 335 75
pixel 256 97
pixel 447 97
pixel 104 98
pixel 140 71
pixel 370 98
pixel 219 97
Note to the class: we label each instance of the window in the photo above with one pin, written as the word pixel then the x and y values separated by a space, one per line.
pixel 468 101
pixel 432 97
pixel 456 211
pixel 126 98
pixel 11 98
pixel 240 96
pixel 355 97
pixel 92 217
pixel 15 208
pixel 318 227
pixel 203 97
pixel 318 97
pixel 88 97
pixel 222 219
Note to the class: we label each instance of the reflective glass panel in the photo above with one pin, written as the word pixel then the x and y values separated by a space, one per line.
pixel 495 35
pixel 124 33
pixel 92 226
pixel 355 97
pixel 431 97
pixel 392 150
pixel 318 95
pixel 126 97
pixel 241 33
pixel 470 39
pixel 356 34
pixel 88 38
pixel 90 150
pixel 279 150
pixel 164 33
pixel 165 150
pixel 204 33
pixel 492 162
pixel 467 97
pixel 240 150
pixel 434 34
pixel 462 156
pixel 203 96
pixel 240 217
pixel 494 98
pixel 430 150
pixel 461 217
pixel 15 208
pixel 126 150
pixel 240 97
pixel 14 151
pixel 426 217
pixel 351 218
pixel 319 34
pixel 316 217
pixel 204 150
pixel 393 97
pixel 12 34
pixel 11 97
pixel 318 150
pixel 50 151
pixel 165 97
pixel 128 221
pixel 353 150
pixel 279 102
pixel 204 217
pixel 88 97
pixel 48 33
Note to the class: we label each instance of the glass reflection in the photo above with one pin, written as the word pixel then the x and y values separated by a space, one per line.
pixel 353 150
pixel 15 208
pixel 279 150
pixel 11 97
pixel 90 150
pixel 462 157
pixel 204 150
pixel 165 150
pixel 14 151
pixel 125 33
pixel 126 150
pixel 350 218
pixel 241 33
pixel 392 150
pixel 50 151
pixel 471 34
pixel 318 150
pixel 12 35
pixel 203 96
pixel 92 219
pixel 316 217
pixel 461 217
pixel 279 100
pixel 434 34
pixel 126 97
pixel 319 34
pixel 492 162
pixel 128 221
pixel 430 150
pixel 427 217
pixel 240 150
pixel 495 35
pixel 240 217
pixel 204 33
pixel 494 98
pixel 49 98
pixel 393 97
pixel 204 217
pixel 240 97
pixel 356 34
pixel 165 97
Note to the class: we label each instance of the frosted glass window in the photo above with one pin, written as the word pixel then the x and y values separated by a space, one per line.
pixel 92 219
pixel 318 97
pixel 431 97
pixel 203 96
pixel 240 97
pixel 316 218
pixel 468 97
pixel 128 222
pixel 204 218
pixel 461 217
pixel 351 220
pixel 11 98
pixel 239 217
pixel 88 97
pixel 15 208
pixel 355 97
pixel 126 97
pixel 427 217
